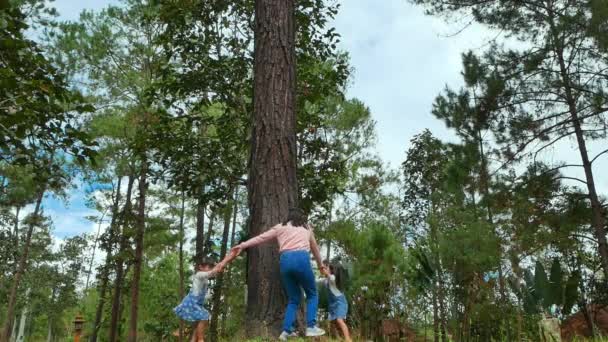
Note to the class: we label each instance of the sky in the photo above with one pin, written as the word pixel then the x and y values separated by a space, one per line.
pixel 402 60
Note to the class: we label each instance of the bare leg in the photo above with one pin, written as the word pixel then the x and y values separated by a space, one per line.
pixel 200 331
pixel 333 328
pixel 344 329
pixel 193 332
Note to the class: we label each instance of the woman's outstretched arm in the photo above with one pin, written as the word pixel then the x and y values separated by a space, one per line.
pixel 265 236
pixel 314 248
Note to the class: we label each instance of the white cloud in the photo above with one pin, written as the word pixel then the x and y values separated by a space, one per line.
pixel 404 59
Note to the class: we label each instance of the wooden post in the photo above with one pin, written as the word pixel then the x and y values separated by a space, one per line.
pixel 78 325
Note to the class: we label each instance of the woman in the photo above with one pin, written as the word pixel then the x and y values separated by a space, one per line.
pixel 296 241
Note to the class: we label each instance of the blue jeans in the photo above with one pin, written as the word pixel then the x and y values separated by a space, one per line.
pixel 296 274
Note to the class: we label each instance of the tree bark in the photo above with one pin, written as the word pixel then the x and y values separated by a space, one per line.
pixel 139 250
pixel 120 259
pixel 105 272
pixel 272 169
pixel 181 261
pixel 21 267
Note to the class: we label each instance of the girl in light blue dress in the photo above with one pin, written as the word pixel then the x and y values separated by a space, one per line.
pixel 338 306
pixel 191 308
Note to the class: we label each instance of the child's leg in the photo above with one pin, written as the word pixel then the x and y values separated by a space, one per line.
pixel 200 331
pixel 193 332
pixel 344 328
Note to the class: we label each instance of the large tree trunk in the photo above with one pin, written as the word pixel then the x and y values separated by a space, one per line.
pixel 181 260
pixel 598 220
pixel 272 179
pixel 12 299
pixel 139 250
pixel 200 226
pixel 217 293
pixel 120 259
pixel 105 271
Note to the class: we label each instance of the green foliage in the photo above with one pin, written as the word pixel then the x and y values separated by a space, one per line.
pixel 159 293
pixel 541 293
pixel 378 266
pixel 38 111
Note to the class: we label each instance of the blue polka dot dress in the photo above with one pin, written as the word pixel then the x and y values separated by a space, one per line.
pixel 191 308
pixel 338 306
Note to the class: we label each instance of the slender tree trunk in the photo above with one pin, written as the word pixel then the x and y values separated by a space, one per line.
pixel 16 237
pixel 105 271
pixel 219 284
pixel 181 260
pixel 442 310
pixel 86 286
pixel 486 193
pixel 139 250
pixel 120 259
pixel 598 220
pixel 207 245
pixel 200 226
pixel 435 314
pixel 328 254
pixel 49 334
pixel 14 332
pixel 21 267
pixel 229 271
pixel 272 174
pixel 585 309
pixel 21 333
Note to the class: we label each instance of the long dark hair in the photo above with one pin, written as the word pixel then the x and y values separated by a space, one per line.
pixel 297 217
pixel 340 273
pixel 203 261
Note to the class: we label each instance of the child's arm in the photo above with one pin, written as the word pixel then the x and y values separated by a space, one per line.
pixel 222 264
pixel 231 256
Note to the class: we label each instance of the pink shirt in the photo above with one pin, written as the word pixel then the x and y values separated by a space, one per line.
pixel 290 238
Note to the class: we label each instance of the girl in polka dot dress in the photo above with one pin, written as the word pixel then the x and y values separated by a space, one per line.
pixel 191 308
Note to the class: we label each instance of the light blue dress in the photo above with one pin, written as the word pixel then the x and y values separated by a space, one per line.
pixel 338 306
pixel 191 308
